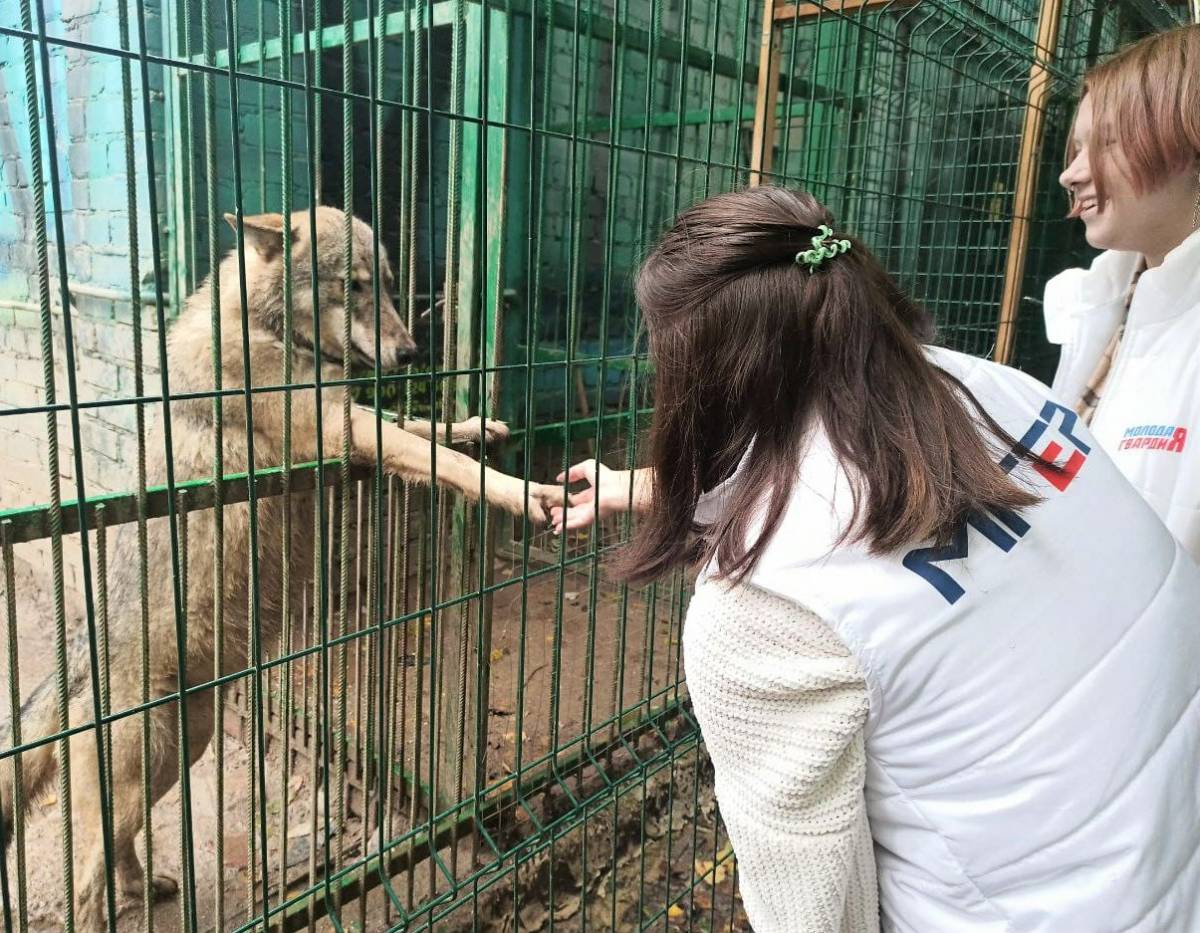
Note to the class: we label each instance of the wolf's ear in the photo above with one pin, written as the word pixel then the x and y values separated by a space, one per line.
pixel 264 232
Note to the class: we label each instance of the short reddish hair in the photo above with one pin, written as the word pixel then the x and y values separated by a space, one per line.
pixel 1148 96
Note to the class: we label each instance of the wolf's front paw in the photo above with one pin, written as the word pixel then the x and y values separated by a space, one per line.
pixel 510 496
pixel 474 430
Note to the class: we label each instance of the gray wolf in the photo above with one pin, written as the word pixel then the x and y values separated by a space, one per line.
pixel 197 423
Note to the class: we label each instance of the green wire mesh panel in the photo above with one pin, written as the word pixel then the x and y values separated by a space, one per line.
pixel 906 119
pixel 431 715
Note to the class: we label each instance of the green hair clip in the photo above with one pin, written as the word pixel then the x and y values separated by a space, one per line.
pixel 822 249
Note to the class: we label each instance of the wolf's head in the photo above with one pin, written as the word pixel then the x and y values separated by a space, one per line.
pixel 264 248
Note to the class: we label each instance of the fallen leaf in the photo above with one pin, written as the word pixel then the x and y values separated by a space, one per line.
pixel 497 654
pixel 675 912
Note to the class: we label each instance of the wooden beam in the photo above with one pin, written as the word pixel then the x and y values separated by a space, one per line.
pixel 795 11
pixel 762 145
pixel 1032 138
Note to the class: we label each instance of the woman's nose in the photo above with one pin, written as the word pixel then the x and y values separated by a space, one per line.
pixel 1075 173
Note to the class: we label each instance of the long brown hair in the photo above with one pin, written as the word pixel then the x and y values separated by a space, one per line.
pixel 1147 96
pixel 749 347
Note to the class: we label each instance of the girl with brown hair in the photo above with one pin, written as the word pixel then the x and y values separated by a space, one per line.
pixel 937 693
pixel 1130 325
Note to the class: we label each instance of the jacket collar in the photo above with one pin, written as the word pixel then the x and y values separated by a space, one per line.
pixel 1162 293
pixel 1172 288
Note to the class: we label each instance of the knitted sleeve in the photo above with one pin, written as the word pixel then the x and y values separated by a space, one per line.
pixel 782 705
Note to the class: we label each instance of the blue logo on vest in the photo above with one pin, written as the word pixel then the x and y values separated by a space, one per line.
pixel 1005 528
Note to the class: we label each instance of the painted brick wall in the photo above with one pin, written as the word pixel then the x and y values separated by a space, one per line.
pixel 89 149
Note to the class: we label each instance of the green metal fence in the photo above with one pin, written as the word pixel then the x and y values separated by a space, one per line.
pixel 438 717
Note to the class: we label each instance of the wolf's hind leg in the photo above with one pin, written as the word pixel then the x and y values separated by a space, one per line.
pixel 126 801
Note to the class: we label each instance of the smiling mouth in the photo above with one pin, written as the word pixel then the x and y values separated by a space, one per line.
pixel 1086 207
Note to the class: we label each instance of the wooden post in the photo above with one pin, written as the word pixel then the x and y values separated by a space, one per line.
pixel 762 146
pixel 1032 137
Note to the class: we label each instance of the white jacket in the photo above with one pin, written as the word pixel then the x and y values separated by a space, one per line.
pixel 1148 419
pixel 1034 725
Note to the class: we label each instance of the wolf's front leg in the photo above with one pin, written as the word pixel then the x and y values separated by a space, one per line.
pixel 408 456
pixel 471 431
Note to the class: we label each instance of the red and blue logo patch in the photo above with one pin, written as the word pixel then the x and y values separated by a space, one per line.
pixel 1060 461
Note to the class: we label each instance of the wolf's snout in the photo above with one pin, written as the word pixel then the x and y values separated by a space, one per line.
pixel 406 352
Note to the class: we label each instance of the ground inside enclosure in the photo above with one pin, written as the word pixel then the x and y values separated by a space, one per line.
pixel 663 838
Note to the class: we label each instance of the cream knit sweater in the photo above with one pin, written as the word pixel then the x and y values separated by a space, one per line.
pixel 782 705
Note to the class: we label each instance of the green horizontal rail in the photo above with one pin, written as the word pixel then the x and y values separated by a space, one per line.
pixel 698 117
pixel 32 522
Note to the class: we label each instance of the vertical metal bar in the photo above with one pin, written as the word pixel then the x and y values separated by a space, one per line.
pixel 316 150
pixel 261 112
pixel 1032 138
pixel 5 895
pixel 426 573
pixel 102 623
pixel 615 154
pixel 576 170
pixel 373 770
pixel 188 867
pixel 712 96
pixel 536 193
pixel 788 98
pixel 317 780
pixel 257 769
pixel 14 699
pixel 287 673
pixel 182 750
pixel 178 115
pixel 386 674
pixel 73 400
pixel 433 569
pixel 680 103
pixel 344 467
pixel 52 462
pixel 412 75
pixel 463 353
pixel 494 170
pixel 143 551
pixel 218 469
pixel 442 710
pixel 186 214
pixel 735 149
pixel 320 754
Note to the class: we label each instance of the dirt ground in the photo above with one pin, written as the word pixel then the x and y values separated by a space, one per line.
pixel 592 661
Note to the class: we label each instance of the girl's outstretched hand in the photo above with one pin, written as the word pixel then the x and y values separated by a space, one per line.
pixel 607 493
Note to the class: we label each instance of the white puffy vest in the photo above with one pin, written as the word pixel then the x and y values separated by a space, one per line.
pixel 1148 419
pixel 1033 742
